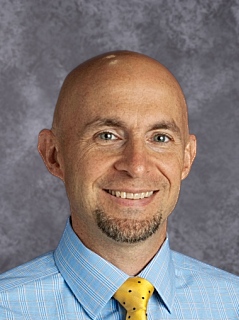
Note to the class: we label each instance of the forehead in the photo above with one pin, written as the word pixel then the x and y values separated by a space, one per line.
pixel 134 100
pixel 138 93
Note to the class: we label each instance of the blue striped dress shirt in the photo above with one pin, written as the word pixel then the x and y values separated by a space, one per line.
pixel 74 283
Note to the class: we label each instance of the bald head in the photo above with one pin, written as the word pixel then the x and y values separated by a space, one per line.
pixel 120 130
pixel 99 75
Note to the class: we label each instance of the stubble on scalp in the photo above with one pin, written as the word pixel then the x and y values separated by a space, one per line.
pixel 127 230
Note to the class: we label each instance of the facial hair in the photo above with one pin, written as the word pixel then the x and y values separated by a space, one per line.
pixel 127 230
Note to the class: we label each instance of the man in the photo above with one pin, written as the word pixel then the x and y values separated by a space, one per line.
pixel 120 143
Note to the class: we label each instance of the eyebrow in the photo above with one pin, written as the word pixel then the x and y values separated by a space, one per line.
pixel 100 122
pixel 108 122
pixel 167 125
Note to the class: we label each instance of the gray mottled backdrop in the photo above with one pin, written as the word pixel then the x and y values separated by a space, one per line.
pixel 41 41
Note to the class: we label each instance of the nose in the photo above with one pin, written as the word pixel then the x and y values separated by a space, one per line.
pixel 134 159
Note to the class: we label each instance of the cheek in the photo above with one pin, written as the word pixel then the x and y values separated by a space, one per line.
pixel 170 169
pixel 171 165
pixel 83 169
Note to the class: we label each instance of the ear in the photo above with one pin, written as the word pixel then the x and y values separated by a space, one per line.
pixel 48 149
pixel 189 156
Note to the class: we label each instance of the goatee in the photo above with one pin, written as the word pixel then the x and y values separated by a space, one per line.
pixel 127 230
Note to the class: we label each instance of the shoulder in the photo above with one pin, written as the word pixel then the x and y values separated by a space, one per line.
pixel 37 269
pixel 200 273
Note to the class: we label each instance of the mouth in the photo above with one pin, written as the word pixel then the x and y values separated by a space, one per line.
pixel 130 195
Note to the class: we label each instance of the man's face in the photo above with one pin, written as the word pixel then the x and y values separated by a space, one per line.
pixel 124 157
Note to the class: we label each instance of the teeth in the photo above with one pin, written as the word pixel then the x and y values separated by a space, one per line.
pixel 123 195
pixel 118 194
pixel 129 195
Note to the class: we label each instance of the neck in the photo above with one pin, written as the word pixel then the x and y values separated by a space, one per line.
pixel 133 258
pixel 130 258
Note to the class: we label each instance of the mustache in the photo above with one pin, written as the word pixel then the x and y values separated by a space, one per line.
pixel 123 183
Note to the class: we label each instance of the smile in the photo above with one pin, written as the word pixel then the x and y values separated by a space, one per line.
pixel 129 195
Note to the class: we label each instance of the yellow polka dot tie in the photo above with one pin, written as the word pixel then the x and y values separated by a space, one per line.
pixel 134 295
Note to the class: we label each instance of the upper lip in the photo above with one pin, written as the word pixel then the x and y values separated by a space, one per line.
pixel 130 190
pixel 130 195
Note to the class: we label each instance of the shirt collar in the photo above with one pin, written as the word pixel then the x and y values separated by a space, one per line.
pixel 92 279
pixel 84 271
pixel 161 273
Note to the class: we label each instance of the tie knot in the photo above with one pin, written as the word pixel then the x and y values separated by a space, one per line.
pixel 134 295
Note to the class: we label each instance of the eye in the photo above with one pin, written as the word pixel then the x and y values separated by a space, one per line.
pixel 160 137
pixel 107 136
